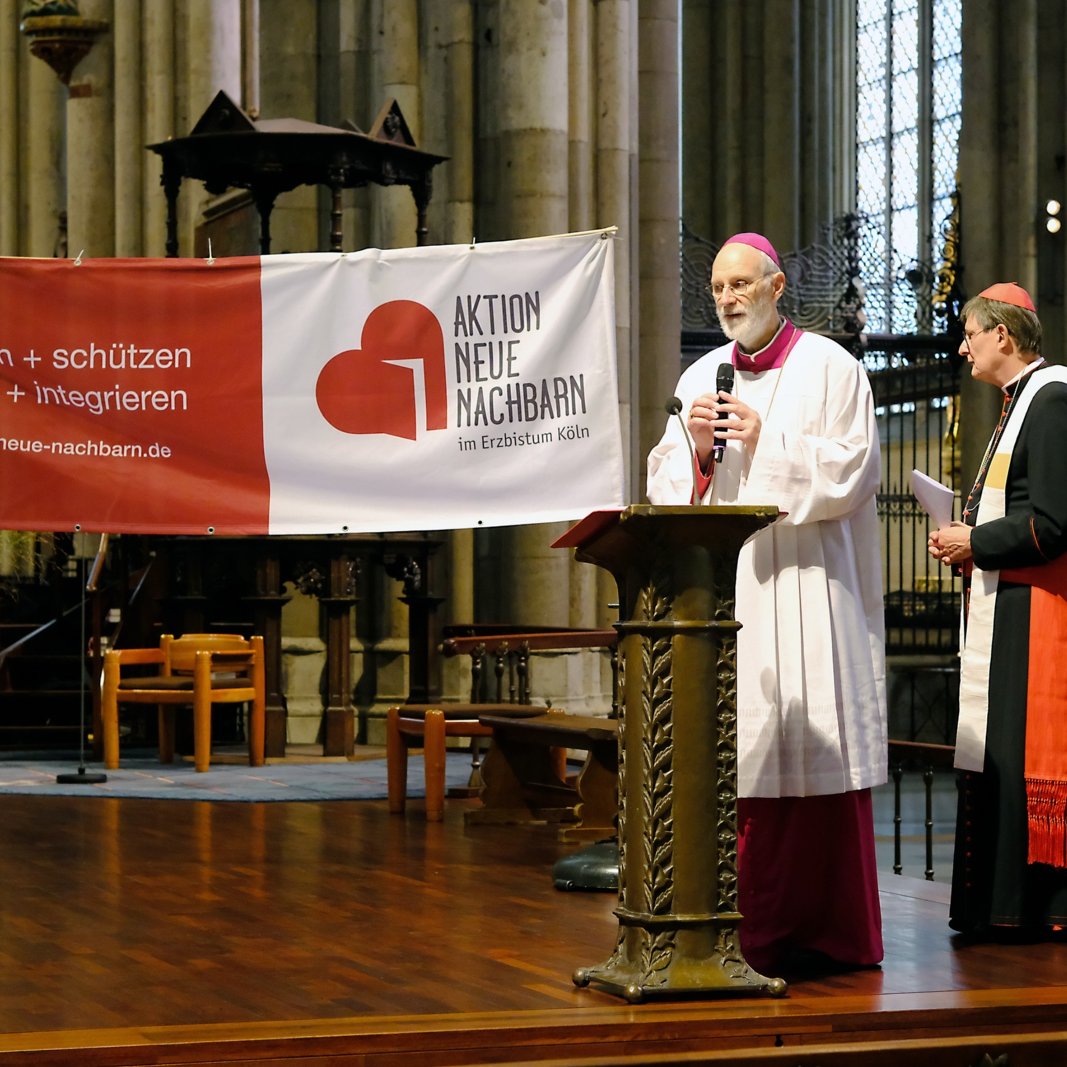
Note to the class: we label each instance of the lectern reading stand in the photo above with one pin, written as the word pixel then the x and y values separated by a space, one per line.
pixel 678 917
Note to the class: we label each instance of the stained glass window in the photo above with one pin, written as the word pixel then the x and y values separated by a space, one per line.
pixel 908 90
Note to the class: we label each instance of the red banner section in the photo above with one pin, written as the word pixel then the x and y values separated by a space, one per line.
pixel 131 396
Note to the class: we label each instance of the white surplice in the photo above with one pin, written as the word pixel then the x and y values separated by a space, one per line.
pixel 811 651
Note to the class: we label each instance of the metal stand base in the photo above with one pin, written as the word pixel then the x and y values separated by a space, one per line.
pixel 594 867
pixel 722 973
pixel 82 777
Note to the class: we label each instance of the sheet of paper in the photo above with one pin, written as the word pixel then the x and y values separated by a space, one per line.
pixel 935 498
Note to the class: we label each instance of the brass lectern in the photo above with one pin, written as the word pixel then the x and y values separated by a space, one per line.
pixel 678 917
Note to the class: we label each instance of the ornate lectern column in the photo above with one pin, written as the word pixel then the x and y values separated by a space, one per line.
pixel 678 917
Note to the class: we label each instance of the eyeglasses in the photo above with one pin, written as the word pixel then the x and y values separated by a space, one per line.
pixel 739 286
pixel 969 335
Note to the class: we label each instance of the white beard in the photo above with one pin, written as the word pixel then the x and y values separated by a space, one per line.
pixel 760 321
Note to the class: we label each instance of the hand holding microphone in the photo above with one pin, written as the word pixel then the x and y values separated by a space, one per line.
pixel 704 417
pixel 724 383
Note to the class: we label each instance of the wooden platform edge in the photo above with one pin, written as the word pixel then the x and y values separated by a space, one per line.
pixel 870 1030
pixel 1030 1050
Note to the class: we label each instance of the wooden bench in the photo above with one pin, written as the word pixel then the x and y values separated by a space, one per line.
pixel 501 660
pixel 524 783
pixel 427 727
pixel 500 687
pixel 528 767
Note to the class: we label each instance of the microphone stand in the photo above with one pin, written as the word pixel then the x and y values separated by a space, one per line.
pixel 674 407
pixel 82 776
pixel 596 866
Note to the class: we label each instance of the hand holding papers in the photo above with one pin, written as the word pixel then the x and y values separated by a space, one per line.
pixel 935 498
pixel 950 541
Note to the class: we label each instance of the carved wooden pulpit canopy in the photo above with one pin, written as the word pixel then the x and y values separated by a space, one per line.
pixel 229 149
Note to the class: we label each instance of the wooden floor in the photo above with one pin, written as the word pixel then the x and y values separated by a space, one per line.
pixel 159 932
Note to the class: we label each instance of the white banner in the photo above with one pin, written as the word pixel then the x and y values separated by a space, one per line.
pixel 410 389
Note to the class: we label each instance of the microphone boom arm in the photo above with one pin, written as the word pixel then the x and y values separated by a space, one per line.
pixel 674 407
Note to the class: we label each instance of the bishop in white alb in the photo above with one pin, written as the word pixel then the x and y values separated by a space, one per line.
pixel 811 706
pixel 796 430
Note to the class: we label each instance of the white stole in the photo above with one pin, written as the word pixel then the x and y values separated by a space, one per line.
pixel 978 644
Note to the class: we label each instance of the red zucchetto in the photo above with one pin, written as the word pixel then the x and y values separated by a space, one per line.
pixel 1009 293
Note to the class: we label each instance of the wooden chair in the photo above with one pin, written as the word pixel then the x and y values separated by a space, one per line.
pixel 197 670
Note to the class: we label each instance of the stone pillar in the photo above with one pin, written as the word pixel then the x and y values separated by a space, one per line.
pixel 41 185
pixel 775 173
pixel 9 127
pixel 157 27
pixel 250 72
pixel 705 161
pixel 720 109
pixel 396 63
pixel 90 145
pixel 616 193
pixel 289 36
pixel 1050 179
pixel 582 213
pixel 660 325
pixel 818 132
pixel 766 126
pixel 341 87
pixel 128 95
pixel 448 125
pixel 209 45
pixel 392 220
pixel 17 553
pixel 212 51
pixel 998 189
pixel 447 108
pixel 357 101
pixel 526 153
pixel 531 105
pixel 448 128
pixel 840 111
pixel 581 172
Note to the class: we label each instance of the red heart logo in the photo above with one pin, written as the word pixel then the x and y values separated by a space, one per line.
pixel 361 391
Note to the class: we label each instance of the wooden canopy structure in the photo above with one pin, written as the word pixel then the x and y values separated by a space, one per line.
pixel 229 149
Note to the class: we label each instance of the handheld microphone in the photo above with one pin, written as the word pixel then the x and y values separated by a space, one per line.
pixel 724 383
pixel 674 407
